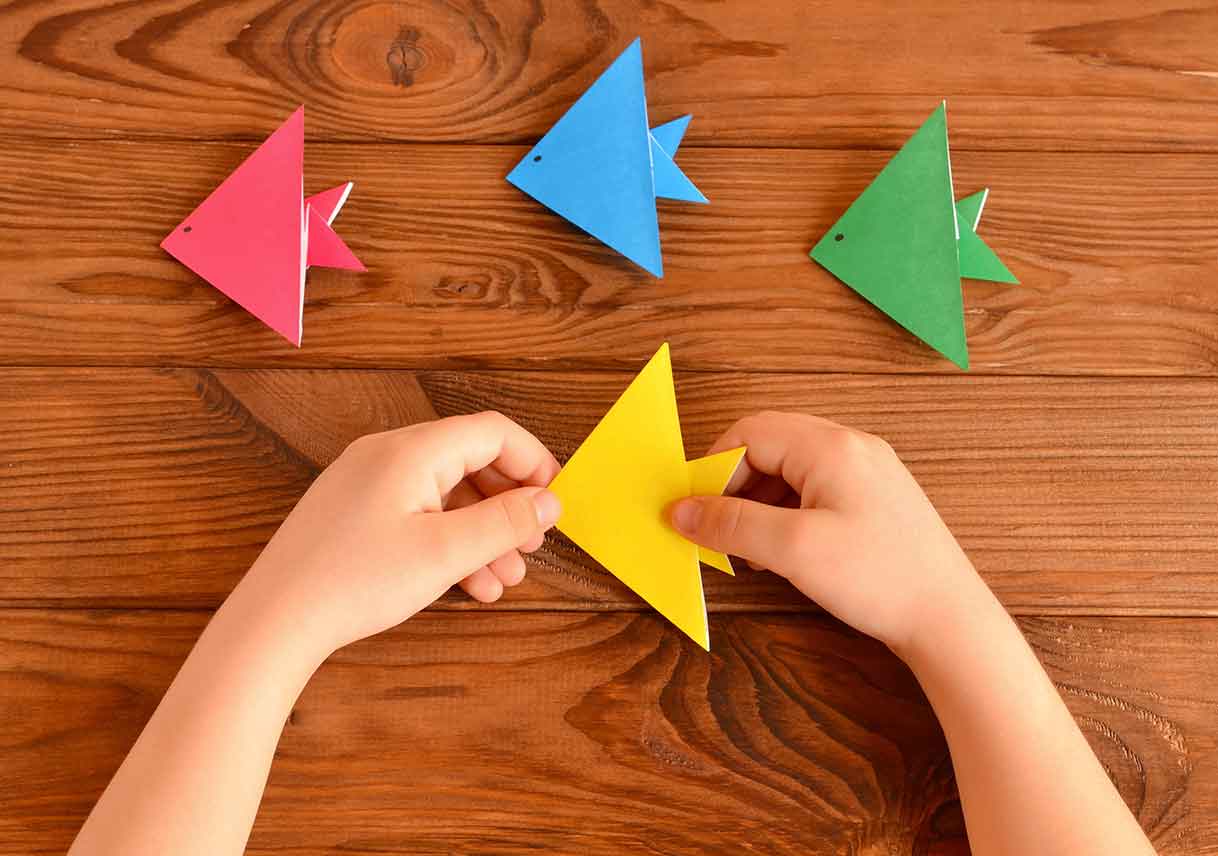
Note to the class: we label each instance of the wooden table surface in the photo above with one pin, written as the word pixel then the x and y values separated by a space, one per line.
pixel 152 435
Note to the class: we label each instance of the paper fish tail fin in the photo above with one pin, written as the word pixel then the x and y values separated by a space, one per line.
pixel 670 181
pixel 710 476
pixel 977 260
pixel 329 202
pixel 968 209
pixel 326 248
pixel 670 134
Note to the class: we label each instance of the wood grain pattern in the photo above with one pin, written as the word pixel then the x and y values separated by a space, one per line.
pixel 159 487
pixel 152 435
pixel 1039 76
pixel 601 734
pixel 1116 270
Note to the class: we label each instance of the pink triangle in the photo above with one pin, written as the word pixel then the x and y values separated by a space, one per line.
pixel 248 238
pixel 329 202
pixel 326 249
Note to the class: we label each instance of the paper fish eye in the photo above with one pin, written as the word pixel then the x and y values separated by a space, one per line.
pixel 839 236
pixel 536 158
pixel 186 228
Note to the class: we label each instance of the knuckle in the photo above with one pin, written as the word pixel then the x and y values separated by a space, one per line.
pixel 491 417
pixel 724 521
pixel 848 445
pixel 519 516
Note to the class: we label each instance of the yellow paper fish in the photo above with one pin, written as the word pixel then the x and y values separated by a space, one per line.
pixel 617 486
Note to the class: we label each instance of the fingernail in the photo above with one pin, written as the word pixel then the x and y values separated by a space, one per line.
pixel 687 514
pixel 548 508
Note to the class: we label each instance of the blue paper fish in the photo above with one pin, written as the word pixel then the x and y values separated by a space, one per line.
pixel 602 169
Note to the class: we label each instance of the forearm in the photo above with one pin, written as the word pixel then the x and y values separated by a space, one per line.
pixel 1029 782
pixel 193 780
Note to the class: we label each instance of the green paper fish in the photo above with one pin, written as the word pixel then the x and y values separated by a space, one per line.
pixel 904 243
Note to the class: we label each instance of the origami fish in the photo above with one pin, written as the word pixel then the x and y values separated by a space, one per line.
pixel 256 235
pixel 615 490
pixel 602 169
pixel 904 245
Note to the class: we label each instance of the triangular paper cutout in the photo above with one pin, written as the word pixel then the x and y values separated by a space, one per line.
pixel 968 209
pixel 709 477
pixel 615 491
pixel 977 260
pixel 896 244
pixel 329 202
pixel 248 237
pixel 670 182
pixel 326 248
pixel 670 134
pixel 594 166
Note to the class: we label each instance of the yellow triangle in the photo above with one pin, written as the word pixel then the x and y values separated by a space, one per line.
pixel 709 477
pixel 615 491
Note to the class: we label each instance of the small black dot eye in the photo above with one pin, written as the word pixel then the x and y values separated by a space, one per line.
pixel 536 158
pixel 839 236
pixel 187 229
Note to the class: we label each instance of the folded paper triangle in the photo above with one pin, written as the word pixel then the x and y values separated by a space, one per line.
pixel 900 246
pixel 326 248
pixel 329 202
pixel 709 477
pixel 250 237
pixel 602 169
pixel 977 260
pixel 617 487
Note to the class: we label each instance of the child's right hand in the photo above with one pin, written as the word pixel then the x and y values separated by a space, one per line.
pixel 834 511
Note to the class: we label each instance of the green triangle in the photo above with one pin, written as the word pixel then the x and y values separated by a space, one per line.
pixel 977 260
pixel 968 209
pixel 896 244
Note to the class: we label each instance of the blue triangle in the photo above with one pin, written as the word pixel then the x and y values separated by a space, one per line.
pixel 594 166
pixel 670 182
pixel 670 134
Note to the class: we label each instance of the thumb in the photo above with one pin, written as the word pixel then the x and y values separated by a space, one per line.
pixel 780 539
pixel 467 538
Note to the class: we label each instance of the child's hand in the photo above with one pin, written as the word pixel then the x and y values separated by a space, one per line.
pixel 834 511
pixel 398 519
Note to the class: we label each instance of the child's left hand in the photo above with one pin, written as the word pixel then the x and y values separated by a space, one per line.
pixel 398 519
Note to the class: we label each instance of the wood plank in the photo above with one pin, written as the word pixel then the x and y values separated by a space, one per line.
pixel 139 486
pixel 1115 269
pixel 600 734
pixel 1090 75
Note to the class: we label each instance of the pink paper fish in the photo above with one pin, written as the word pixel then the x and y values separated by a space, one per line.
pixel 256 235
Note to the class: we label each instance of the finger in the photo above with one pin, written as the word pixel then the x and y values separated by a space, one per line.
pixel 489 481
pixel 768 490
pixel 483 586
pixel 509 568
pixel 460 445
pixel 461 495
pixel 532 544
pixel 473 536
pixel 794 446
pixel 781 539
